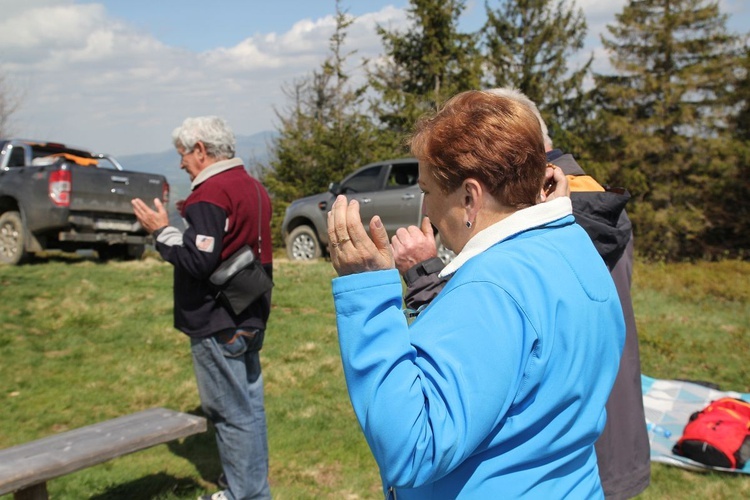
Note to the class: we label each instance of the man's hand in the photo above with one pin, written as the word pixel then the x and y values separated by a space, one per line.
pixel 413 245
pixel 555 184
pixel 352 251
pixel 149 219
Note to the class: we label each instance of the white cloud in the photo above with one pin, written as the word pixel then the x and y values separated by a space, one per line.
pixel 96 81
pixel 303 45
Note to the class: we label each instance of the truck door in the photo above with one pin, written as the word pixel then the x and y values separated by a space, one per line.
pixel 364 186
pixel 399 204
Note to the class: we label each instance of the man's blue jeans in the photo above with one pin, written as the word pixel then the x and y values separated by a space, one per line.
pixel 230 384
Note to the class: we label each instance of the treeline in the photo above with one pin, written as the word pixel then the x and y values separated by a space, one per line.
pixel 671 124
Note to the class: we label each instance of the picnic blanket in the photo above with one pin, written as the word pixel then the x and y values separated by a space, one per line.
pixel 668 405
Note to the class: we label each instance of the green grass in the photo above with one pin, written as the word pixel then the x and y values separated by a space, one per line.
pixel 81 342
pixel 694 323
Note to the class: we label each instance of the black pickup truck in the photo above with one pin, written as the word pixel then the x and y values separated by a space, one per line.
pixel 57 197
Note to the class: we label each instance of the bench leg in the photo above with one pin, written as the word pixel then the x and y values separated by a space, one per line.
pixel 35 492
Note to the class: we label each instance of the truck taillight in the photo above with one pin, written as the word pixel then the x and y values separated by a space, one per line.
pixel 165 192
pixel 59 187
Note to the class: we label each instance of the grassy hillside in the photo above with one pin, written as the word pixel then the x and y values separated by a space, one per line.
pixel 83 341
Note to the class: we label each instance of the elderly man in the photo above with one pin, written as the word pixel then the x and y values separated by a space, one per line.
pixel 222 215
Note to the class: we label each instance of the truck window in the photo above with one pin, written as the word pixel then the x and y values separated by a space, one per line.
pixel 403 175
pixel 364 181
pixel 17 157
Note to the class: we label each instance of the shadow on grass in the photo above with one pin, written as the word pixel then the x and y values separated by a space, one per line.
pixel 48 256
pixel 200 450
pixel 72 257
pixel 153 486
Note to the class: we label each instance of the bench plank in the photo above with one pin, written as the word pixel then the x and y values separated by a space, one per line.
pixel 53 456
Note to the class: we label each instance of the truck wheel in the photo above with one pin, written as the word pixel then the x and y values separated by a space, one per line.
pixel 12 236
pixel 303 244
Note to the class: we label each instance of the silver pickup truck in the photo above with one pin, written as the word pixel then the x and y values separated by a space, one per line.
pixel 386 188
pixel 57 197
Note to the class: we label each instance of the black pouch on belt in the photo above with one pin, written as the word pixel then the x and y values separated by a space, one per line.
pixel 240 280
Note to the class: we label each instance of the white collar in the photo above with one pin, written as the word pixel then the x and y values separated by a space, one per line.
pixel 215 168
pixel 517 222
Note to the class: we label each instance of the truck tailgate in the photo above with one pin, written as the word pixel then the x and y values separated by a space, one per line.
pixel 110 191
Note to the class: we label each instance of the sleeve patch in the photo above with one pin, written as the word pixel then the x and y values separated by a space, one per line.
pixel 204 243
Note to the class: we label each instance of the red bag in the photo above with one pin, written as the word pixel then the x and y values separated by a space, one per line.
pixel 718 435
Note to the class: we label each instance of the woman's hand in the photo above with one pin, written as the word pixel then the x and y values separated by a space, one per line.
pixel 352 250
pixel 555 184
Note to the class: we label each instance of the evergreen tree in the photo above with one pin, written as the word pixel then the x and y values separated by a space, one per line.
pixel 729 210
pixel 741 123
pixel 528 45
pixel 423 66
pixel 663 119
pixel 324 134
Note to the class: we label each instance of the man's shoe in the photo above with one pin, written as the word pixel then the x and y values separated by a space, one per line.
pixel 219 495
pixel 222 482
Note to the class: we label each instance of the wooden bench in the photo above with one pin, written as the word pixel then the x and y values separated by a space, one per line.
pixel 24 469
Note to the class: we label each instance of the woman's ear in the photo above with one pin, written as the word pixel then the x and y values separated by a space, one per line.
pixel 473 199
pixel 472 192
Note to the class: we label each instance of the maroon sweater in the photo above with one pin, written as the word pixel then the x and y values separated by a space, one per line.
pixel 222 216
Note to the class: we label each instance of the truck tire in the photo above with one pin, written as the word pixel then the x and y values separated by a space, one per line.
pixel 303 244
pixel 12 238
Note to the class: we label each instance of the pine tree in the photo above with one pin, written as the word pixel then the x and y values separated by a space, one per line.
pixel 729 209
pixel 741 123
pixel 528 44
pixel 423 66
pixel 663 119
pixel 324 134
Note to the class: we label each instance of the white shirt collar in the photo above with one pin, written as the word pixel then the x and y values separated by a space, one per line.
pixel 522 220
pixel 215 168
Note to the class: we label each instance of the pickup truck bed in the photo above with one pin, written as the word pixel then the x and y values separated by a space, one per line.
pixel 56 197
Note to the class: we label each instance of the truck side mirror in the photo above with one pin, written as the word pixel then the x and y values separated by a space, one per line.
pixel 335 188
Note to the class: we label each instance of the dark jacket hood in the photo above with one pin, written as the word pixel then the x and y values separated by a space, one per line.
pixel 601 213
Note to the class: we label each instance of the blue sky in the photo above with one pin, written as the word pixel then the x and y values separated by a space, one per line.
pixel 118 76
pixel 227 22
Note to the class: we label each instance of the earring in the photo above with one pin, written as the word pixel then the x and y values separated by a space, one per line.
pixel 468 224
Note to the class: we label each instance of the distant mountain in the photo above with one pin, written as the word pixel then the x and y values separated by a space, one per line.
pixel 252 149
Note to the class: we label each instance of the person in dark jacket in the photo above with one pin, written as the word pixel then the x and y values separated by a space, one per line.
pixel 225 210
pixel 623 453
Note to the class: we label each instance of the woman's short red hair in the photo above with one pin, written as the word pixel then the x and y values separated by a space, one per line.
pixel 488 137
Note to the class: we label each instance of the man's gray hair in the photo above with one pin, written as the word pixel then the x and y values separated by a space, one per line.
pixel 518 96
pixel 212 131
